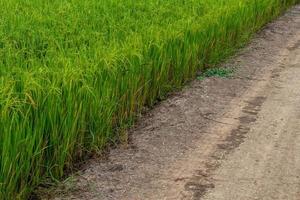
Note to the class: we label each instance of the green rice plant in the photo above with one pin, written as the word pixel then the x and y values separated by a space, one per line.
pixel 72 71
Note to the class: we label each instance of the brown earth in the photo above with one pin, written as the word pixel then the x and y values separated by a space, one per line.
pixel 218 139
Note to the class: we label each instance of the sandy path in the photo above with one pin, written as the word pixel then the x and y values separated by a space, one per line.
pixel 226 139
pixel 267 165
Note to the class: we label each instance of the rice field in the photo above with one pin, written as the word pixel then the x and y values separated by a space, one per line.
pixel 74 74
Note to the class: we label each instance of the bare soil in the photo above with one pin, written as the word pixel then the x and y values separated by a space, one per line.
pixel 218 139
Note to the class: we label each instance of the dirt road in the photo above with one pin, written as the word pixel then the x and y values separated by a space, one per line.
pixel 218 139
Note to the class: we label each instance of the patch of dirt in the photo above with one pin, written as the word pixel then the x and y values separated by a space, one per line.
pixel 176 148
pixel 266 166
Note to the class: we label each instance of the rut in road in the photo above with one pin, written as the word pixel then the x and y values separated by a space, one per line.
pixel 235 138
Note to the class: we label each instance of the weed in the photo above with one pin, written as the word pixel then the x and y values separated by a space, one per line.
pixel 216 72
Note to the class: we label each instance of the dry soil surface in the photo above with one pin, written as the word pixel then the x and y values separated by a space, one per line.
pixel 218 139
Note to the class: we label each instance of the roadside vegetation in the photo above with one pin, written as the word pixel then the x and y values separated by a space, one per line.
pixel 73 72
pixel 220 72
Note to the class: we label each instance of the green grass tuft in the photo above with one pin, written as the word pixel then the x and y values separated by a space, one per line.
pixel 217 72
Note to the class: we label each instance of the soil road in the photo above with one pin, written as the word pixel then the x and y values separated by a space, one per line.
pixel 219 139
